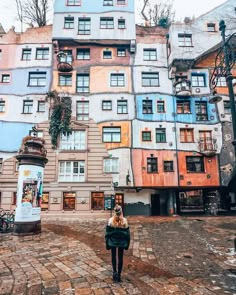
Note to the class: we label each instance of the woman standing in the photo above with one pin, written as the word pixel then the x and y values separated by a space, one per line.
pixel 117 239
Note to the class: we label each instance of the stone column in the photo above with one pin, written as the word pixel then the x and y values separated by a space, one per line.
pixel 32 160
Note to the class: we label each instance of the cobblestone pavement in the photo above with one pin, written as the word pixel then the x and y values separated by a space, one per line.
pixel 175 255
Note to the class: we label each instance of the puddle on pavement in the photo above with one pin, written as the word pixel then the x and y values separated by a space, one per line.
pixel 131 263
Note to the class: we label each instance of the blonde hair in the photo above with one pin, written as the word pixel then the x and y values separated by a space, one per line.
pixel 118 220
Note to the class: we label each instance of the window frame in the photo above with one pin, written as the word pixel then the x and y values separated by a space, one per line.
pixel 184 106
pixel 83 54
pixel 27 106
pixel 85 83
pixel 38 77
pixel 107 54
pixel 150 77
pixel 228 108
pixel 167 167
pixel 221 81
pixel 149 56
pixel 84 115
pixel 117 80
pixel 64 80
pixel 40 103
pixel 146 136
pixel 198 80
pixel 121 23
pixel 186 135
pixel 152 165
pixel 107 105
pixel 192 164
pixel 26 56
pixel 5 78
pixel 106 22
pixel 186 40
pixel 112 133
pixel 161 106
pixel 201 105
pixel 111 165
pixel 73 3
pixel 69 22
pixel 160 135
pixel 2 106
pixel 74 165
pixel 121 52
pixel 76 141
pixel 122 106
pixel 147 106
pixel 44 53
pixel 108 3
pixel 84 26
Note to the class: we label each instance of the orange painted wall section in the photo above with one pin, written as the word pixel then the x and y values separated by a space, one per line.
pixel 142 178
pixel 125 134
pixel 208 178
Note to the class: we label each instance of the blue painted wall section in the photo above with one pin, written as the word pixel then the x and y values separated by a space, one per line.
pixel 12 134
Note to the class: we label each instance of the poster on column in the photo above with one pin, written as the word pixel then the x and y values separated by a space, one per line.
pixel 29 193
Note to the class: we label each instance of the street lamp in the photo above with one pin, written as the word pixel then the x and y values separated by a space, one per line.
pixel 224 62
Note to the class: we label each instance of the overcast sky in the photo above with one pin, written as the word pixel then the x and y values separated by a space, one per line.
pixel 182 8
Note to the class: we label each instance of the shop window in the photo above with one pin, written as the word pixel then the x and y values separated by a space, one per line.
pixel 45 201
pixel 69 201
pixel 97 201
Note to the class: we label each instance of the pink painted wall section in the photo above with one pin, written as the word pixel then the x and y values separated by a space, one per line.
pixel 208 178
pixel 160 179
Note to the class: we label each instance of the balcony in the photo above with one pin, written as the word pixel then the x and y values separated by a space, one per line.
pixel 182 88
pixel 207 146
pixel 64 62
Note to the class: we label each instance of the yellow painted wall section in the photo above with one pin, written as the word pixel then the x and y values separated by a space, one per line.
pixel 160 179
pixel 101 79
pixel 125 134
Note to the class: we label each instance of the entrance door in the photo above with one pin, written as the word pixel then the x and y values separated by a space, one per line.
pixel 156 205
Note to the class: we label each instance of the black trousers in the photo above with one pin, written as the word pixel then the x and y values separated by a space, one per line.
pixel 120 258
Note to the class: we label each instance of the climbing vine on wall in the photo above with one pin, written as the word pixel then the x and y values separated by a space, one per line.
pixel 60 115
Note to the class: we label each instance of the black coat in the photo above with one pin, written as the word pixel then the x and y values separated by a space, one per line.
pixel 117 237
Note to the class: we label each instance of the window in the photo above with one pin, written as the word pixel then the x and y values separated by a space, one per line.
pixel 198 80
pixel 122 107
pixel 117 80
pixel 1 164
pixel 149 54
pixel 160 106
pixel 97 201
pixel 71 171
pixel 121 52
pixel 14 198
pixel 107 2
pixel 201 111
pixel 150 79
pixel 106 23
pixel 5 78
pixel 41 106
pixel 183 107
pixel 27 106
pixel 227 108
pixel 66 57
pixel 110 165
pixel 26 54
pixel 168 166
pixel 147 106
pixel 146 136
pixel 186 135
pixel 185 40
pixel 42 53
pixel 69 201
pixel 83 53
pixel 160 135
pixel 82 110
pixel 195 164
pixel 107 54
pixel 152 165
pixel 211 27
pixel 82 83
pixel 74 141
pixel 111 134
pixel 69 22
pixel 106 105
pixel 45 201
pixel 73 2
pixel 221 81
pixel 37 79
pixel 84 26
pixel 2 106
pixel 65 80
pixel 121 2
pixel 121 23
pixel 206 141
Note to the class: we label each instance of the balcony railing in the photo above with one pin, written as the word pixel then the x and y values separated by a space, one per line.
pixel 182 88
pixel 207 146
pixel 64 62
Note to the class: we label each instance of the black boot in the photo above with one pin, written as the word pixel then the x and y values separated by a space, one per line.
pixel 114 276
pixel 118 278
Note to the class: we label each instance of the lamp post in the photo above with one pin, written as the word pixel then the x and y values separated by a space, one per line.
pixel 224 62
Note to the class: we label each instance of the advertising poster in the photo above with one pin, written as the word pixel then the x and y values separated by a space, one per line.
pixel 29 193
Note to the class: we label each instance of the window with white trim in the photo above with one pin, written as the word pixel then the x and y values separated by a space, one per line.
pixel 106 23
pixel 150 79
pixel 149 54
pixel 37 79
pixel 122 106
pixel 117 80
pixel 106 105
pixel 111 134
pixel 71 171
pixel 42 53
pixel 27 106
pixel 82 83
pixel 198 80
pixel 74 141
pixel 110 165
pixel 69 22
pixel 82 110
pixel 185 40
